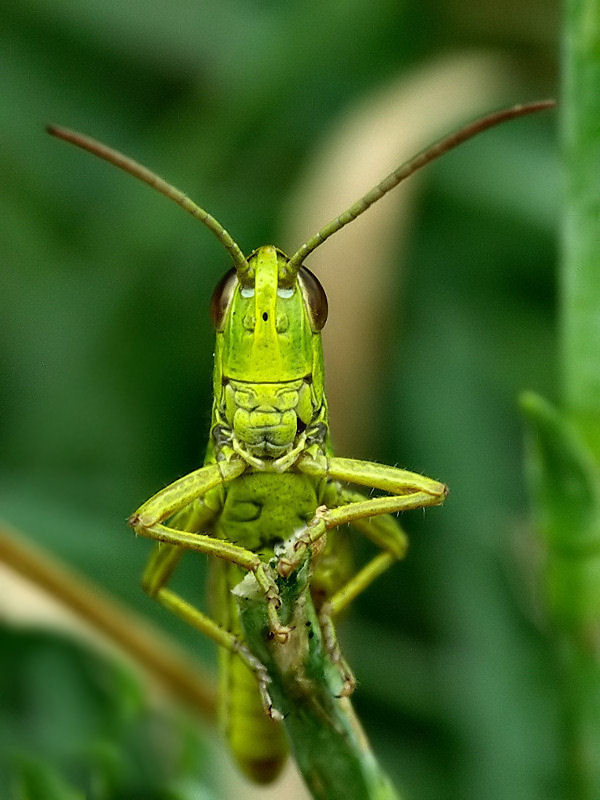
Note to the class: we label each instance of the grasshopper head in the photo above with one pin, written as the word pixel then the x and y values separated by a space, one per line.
pixel 268 358
pixel 268 313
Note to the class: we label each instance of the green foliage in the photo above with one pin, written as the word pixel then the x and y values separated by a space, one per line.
pixel 75 726
pixel 564 445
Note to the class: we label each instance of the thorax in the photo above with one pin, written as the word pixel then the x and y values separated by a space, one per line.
pixel 261 509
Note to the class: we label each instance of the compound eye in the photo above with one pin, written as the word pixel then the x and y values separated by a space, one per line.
pixel 315 297
pixel 221 298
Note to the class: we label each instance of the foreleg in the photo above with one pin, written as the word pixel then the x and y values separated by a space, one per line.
pixel 147 521
pixel 161 565
pixel 408 490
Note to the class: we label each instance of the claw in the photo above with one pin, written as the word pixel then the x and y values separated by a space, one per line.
pixel 301 543
pixel 288 564
pixel 281 633
pixel 274 714
pixel 348 686
pixel 285 567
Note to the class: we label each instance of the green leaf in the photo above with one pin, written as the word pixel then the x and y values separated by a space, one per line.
pixel 36 780
pixel 76 725
pixel 565 488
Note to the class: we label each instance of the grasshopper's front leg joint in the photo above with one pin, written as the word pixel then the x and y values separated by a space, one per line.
pixel 442 492
pixel 134 522
pixel 141 523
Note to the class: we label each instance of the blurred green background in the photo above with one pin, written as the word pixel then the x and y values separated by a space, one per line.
pixel 106 352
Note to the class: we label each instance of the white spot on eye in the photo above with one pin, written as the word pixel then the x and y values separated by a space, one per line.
pixel 285 292
pixel 247 291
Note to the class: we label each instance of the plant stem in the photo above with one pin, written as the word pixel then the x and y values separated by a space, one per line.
pixel 133 635
pixel 580 320
pixel 578 616
pixel 329 745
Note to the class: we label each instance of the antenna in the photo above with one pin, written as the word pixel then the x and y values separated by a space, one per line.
pixel 138 171
pixel 409 167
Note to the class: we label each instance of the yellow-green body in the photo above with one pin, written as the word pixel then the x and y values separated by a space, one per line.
pixel 270 488
pixel 268 384
pixel 270 482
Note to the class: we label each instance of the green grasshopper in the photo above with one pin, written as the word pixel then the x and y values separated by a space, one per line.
pixel 270 475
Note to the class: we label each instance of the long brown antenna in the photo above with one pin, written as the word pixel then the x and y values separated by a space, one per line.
pixel 153 180
pixel 409 167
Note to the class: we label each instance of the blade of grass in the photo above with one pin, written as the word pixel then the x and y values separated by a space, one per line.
pixel 563 457
pixel 134 636
pixel 579 641
pixel 580 275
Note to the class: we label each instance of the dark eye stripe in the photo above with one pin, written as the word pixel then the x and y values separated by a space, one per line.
pixel 221 298
pixel 315 297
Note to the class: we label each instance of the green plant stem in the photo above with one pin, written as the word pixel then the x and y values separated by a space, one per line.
pixel 328 743
pixel 577 616
pixel 580 321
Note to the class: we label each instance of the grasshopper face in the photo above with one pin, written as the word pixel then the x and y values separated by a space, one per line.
pixel 268 379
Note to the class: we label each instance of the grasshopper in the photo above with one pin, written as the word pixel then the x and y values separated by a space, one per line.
pixel 270 475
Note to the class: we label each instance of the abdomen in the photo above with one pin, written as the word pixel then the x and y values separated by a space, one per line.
pixel 259 510
pixel 257 743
